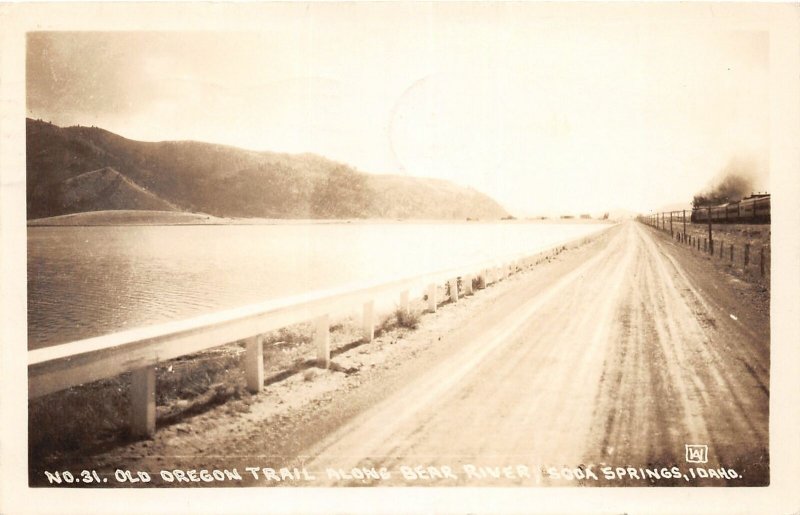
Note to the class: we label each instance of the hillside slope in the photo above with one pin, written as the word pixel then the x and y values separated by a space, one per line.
pixel 108 189
pixel 78 169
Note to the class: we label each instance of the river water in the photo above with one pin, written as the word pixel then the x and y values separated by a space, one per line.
pixel 89 281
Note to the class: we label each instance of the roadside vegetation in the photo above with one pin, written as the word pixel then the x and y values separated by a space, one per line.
pixel 94 417
pixel 757 236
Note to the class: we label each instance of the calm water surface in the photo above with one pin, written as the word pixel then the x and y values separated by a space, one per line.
pixel 88 281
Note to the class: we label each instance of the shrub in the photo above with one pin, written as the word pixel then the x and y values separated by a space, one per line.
pixel 407 319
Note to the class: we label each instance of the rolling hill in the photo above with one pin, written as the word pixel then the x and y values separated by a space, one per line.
pixel 82 169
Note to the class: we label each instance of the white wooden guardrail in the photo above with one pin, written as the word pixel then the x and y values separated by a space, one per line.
pixel 138 351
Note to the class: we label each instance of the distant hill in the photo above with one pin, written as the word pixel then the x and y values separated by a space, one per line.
pixel 80 169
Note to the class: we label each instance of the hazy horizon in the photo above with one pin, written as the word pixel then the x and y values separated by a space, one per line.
pixel 545 115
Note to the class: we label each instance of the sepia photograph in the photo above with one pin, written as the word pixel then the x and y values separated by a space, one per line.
pixel 509 248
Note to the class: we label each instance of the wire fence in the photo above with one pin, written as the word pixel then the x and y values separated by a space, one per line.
pixel 718 241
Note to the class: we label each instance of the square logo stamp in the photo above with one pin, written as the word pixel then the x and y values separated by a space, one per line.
pixel 696 453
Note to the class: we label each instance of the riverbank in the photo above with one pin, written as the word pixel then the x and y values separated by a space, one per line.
pixel 137 217
pixel 83 424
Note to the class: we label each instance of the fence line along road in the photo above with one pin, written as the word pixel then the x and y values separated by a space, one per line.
pixel 138 351
pixel 674 223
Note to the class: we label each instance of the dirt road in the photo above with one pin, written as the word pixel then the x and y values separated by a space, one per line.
pixel 595 367
pixel 627 356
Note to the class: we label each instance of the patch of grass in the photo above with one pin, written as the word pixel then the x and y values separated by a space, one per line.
pixel 407 319
pixel 386 324
pixel 399 318
pixel 291 336
pixel 193 375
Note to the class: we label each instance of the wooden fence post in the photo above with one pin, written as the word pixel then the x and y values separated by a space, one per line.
pixel 254 363
pixel 143 401
pixel 670 225
pixel 467 280
pixel 368 325
pixel 746 254
pixel 322 337
pixel 710 237
pixel 762 261
pixel 684 225
pixel 432 297
pixel 731 252
pixel 482 283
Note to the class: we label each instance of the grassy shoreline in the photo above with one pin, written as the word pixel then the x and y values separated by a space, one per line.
pixel 158 218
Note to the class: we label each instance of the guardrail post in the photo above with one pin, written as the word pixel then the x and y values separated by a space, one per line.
pixel 467 284
pixel 254 363
pixel 368 326
pixel 322 337
pixel 432 297
pixel 454 289
pixel 404 305
pixel 143 401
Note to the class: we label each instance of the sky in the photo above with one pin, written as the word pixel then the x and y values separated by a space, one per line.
pixel 546 115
